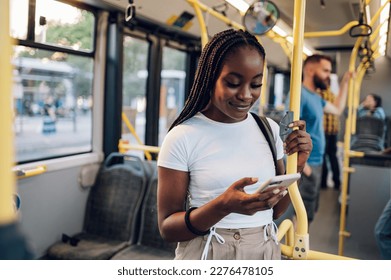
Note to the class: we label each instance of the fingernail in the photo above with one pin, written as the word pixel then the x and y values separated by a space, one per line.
pixel 290 125
pixel 276 191
pixel 284 193
pixel 254 179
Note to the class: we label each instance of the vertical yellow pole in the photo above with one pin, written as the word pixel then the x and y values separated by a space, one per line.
pixel 301 242
pixel 356 97
pixel 347 138
pixel 7 179
pixel 295 92
pixel 346 158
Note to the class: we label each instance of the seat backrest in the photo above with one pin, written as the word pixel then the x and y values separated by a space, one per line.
pixel 387 139
pixel 370 125
pixel 114 202
pixel 149 231
pixel 369 134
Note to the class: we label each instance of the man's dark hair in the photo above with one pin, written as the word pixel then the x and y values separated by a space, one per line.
pixel 316 58
pixel 209 68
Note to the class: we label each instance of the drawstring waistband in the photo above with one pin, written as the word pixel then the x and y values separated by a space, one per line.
pixel 270 231
pixel 219 239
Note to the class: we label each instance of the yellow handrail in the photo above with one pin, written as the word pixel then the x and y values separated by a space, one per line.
pixel 347 136
pixel 122 146
pixel 133 131
pixel 360 72
pixel 301 240
pixel 7 178
pixel 24 173
pixel 375 33
pixel 199 7
pixel 339 32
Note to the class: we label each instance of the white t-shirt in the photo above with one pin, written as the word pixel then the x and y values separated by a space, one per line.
pixel 218 154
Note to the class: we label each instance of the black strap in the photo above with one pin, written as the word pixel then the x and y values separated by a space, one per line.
pixel 267 132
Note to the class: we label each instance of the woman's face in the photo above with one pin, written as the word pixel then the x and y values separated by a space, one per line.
pixel 237 87
pixel 370 102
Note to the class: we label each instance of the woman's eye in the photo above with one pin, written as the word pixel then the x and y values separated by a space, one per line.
pixel 256 85
pixel 233 85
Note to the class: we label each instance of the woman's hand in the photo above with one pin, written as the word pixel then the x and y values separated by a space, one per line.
pixel 236 200
pixel 299 141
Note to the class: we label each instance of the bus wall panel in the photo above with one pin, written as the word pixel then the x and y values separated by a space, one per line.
pixel 51 204
pixel 369 192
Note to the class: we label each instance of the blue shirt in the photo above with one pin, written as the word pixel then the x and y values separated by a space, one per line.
pixel 377 113
pixel 311 110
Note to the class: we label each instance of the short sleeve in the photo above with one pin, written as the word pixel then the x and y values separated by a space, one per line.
pixel 173 152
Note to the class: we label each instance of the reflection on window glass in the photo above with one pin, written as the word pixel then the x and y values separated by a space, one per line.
pixel 60 24
pixel 18 18
pixel 56 23
pixel 172 90
pixel 52 98
pixel 135 76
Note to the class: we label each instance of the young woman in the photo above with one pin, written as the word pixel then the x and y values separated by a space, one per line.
pixel 215 156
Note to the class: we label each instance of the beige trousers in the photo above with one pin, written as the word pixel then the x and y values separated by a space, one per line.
pixel 240 244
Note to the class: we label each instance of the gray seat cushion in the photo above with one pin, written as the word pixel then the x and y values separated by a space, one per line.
pixel 140 252
pixel 90 247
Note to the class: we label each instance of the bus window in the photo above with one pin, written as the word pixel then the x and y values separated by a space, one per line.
pixel 55 20
pixel 18 18
pixel 55 23
pixel 134 90
pixel 279 100
pixel 52 101
pixel 172 88
pixel 52 91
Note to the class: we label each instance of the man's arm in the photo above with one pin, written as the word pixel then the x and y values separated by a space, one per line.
pixel 337 107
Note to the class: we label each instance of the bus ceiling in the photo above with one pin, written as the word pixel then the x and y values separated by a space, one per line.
pixel 321 16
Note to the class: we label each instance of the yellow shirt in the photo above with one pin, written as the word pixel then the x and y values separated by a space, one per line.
pixel 330 121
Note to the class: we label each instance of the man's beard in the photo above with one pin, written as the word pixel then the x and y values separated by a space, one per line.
pixel 319 83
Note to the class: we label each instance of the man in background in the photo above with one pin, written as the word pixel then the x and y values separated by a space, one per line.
pixel 316 73
pixel 331 128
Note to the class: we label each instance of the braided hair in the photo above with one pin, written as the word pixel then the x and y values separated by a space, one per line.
pixel 209 68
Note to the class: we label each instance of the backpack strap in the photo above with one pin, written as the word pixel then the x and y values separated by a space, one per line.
pixel 267 132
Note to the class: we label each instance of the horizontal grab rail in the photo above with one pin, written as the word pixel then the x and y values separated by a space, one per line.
pixel 24 173
pixel 123 147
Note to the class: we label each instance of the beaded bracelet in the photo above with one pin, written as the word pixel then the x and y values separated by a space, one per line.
pixel 190 226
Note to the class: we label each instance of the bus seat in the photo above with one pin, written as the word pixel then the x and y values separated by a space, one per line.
pixel 112 212
pixel 150 244
pixel 369 134
pixel 387 139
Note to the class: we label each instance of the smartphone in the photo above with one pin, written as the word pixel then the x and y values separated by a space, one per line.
pixel 285 130
pixel 279 181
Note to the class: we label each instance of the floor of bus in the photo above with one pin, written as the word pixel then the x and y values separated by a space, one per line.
pixel 323 231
